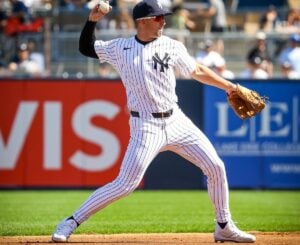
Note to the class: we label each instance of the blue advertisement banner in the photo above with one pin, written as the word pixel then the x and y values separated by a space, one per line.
pixel 262 152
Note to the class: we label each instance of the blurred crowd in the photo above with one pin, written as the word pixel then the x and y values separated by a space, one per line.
pixel 21 56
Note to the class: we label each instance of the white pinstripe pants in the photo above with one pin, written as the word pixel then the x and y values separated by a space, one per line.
pixel 149 136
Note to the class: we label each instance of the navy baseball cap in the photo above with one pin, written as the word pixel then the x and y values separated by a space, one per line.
pixel 149 8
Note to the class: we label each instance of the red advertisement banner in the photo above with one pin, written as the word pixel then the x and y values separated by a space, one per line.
pixel 61 133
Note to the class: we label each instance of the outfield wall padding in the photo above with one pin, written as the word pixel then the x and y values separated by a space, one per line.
pixel 73 134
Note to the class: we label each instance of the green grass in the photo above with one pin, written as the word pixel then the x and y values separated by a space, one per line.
pixel 37 212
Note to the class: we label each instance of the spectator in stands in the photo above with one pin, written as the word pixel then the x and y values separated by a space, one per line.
pixel 21 65
pixel 254 69
pixel 221 69
pixel 181 19
pixel 3 17
pixel 291 54
pixel 6 44
pixel 269 20
pixel 260 50
pixel 208 55
pixel 20 20
pixel 124 19
pixel 217 12
pixel 35 55
pixel 293 20
pixel 120 16
pixel 288 72
pixel 4 72
pixel 20 11
pixel 291 24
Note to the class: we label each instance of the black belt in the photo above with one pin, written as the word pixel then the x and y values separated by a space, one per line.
pixel 154 114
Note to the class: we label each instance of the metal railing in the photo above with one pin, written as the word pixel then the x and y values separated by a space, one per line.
pixel 63 59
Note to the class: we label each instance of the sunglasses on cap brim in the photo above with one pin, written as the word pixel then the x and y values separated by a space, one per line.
pixel 155 18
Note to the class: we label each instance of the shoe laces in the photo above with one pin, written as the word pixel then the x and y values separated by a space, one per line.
pixel 233 228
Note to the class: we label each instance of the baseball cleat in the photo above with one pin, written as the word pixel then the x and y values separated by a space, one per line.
pixel 63 230
pixel 231 233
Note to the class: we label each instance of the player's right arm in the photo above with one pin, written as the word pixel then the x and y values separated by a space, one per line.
pixel 87 36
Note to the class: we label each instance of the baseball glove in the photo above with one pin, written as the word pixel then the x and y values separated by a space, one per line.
pixel 246 103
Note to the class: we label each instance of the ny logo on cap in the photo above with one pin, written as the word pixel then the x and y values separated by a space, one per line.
pixel 159 4
pixel 163 62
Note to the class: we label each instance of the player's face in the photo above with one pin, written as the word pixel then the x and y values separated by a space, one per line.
pixel 155 26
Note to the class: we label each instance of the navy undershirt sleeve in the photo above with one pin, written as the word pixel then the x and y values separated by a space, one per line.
pixel 87 40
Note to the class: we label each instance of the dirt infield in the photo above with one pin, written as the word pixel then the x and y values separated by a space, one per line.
pixel 263 238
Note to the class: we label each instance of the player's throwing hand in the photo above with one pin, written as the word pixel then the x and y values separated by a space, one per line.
pixel 99 11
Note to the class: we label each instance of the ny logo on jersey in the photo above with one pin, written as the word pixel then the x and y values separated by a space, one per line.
pixel 163 62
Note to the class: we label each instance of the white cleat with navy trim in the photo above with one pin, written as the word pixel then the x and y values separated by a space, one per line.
pixel 63 230
pixel 231 233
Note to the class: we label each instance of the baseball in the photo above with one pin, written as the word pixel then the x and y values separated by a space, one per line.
pixel 104 6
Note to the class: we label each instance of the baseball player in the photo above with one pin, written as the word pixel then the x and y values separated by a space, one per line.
pixel 146 64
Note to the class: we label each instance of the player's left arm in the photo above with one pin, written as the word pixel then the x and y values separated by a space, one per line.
pixel 246 103
pixel 190 68
pixel 205 75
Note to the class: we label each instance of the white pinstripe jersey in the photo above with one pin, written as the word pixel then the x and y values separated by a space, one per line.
pixel 147 71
